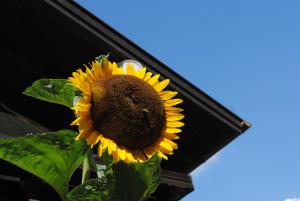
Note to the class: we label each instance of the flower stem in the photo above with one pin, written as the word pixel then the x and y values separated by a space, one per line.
pixel 86 167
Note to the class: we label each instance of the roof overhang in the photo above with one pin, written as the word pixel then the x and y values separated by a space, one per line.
pixel 53 38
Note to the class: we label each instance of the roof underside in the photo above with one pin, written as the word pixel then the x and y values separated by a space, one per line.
pixel 53 38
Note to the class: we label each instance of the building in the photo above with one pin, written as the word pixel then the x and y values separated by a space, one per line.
pixel 50 39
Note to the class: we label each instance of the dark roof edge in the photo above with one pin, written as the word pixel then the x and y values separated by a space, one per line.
pixel 99 28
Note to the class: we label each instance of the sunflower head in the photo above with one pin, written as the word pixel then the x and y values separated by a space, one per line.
pixel 127 111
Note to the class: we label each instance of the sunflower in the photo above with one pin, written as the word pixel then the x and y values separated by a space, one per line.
pixel 127 111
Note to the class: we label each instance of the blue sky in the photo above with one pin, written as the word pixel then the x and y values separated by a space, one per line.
pixel 246 55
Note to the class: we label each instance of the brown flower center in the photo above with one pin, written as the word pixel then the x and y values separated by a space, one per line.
pixel 127 110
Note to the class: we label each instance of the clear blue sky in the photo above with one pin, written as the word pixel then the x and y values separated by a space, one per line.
pixel 246 55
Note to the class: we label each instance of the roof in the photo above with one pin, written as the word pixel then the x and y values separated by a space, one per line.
pixel 53 38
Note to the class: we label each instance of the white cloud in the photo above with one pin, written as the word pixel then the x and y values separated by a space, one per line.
pixel 292 199
pixel 211 161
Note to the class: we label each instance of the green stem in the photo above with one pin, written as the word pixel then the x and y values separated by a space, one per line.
pixel 86 168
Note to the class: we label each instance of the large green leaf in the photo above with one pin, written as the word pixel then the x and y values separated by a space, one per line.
pixel 136 181
pixel 133 182
pixel 92 190
pixel 52 156
pixel 58 91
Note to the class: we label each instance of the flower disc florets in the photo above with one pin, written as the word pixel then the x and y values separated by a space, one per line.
pixel 127 110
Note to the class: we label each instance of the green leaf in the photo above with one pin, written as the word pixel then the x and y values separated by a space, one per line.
pixel 102 58
pixel 136 181
pixel 102 165
pixel 126 182
pixel 58 91
pixel 92 190
pixel 52 156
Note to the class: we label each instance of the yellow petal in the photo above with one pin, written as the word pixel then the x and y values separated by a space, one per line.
pixel 75 82
pixel 153 80
pixel 165 147
pixel 113 65
pixel 161 85
pixel 83 134
pixel 102 147
pixel 86 124
pixel 112 147
pixel 79 81
pixel 93 138
pixel 96 67
pixel 174 116
pixel 173 130
pixel 170 136
pixel 148 154
pixel 172 102
pixel 129 157
pixel 161 155
pixel 90 74
pixel 100 151
pixel 166 95
pixel 76 121
pixel 171 143
pixel 150 151
pixel 83 107
pixel 147 76
pixel 141 73
pixel 121 72
pixel 139 156
pixel 85 127
pixel 173 109
pixel 81 76
pixel 115 70
pixel 174 124
pixel 115 156
pixel 75 74
pixel 106 67
pixel 78 137
pixel 121 153
pixel 130 69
